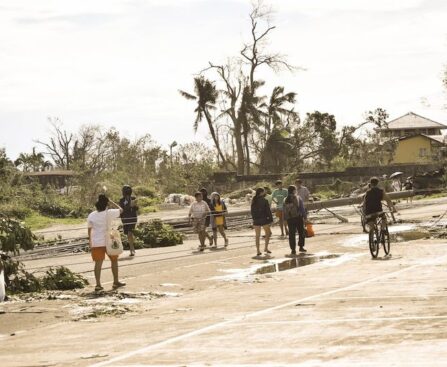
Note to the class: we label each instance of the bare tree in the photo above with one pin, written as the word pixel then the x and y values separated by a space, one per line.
pixel 239 82
pixel 60 146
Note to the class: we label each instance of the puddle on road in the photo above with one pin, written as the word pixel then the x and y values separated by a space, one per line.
pixel 408 236
pixel 293 263
pixel 274 266
pixel 398 233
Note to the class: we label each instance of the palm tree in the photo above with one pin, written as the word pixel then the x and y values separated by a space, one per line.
pixel 249 116
pixel 32 162
pixel 275 108
pixel 206 95
pixel 23 161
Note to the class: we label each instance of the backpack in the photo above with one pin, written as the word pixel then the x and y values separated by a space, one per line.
pixel 290 210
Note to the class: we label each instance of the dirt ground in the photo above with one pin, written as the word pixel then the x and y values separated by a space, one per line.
pixel 333 306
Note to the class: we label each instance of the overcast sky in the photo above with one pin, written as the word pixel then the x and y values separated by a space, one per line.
pixel 121 62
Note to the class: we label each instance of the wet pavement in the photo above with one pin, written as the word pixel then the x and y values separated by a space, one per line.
pixel 333 306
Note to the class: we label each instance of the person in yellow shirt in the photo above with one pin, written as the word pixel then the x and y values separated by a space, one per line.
pixel 218 213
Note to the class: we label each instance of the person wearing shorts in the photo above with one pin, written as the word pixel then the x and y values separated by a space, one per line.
pixel 129 216
pixel 278 197
pixel 198 213
pixel 218 211
pixel 97 237
pixel 262 218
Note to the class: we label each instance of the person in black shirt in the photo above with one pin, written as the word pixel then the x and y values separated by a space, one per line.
pixel 372 203
pixel 262 218
pixel 129 216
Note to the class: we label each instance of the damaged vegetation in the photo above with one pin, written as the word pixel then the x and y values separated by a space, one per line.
pixel 155 234
pixel 18 280
pixel 62 278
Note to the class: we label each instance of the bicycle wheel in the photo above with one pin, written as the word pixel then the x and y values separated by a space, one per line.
pixel 373 243
pixel 385 239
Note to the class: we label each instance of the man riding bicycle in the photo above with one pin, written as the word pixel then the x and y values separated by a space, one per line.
pixel 372 202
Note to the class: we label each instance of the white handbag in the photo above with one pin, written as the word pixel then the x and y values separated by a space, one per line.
pixel 114 246
pixel 2 286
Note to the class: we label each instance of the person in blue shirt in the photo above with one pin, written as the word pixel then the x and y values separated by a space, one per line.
pixel 278 197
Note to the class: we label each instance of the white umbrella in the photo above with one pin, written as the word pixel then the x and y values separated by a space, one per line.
pixel 396 174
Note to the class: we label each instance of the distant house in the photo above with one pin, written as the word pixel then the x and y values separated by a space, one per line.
pixel 419 139
pixel 419 149
pixel 411 124
pixel 56 178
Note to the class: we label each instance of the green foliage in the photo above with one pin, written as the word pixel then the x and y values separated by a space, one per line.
pixel 147 191
pixel 192 165
pixel 37 221
pixel 62 278
pixel 325 194
pixel 336 189
pixel 18 279
pixel 238 194
pixel 157 234
pixel 14 235
pixel 56 209
pixel 15 210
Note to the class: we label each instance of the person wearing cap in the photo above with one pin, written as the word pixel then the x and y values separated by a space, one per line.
pixel 302 191
pixel 218 213
pixel 207 200
pixel 98 230
pixel 129 216
pixel 278 197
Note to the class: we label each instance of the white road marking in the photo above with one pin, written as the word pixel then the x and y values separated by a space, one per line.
pixel 331 321
pixel 386 297
pixel 250 315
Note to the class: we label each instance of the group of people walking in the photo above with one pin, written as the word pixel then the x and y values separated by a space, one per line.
pixel 210 212
pixel 206 212
pixel 290 211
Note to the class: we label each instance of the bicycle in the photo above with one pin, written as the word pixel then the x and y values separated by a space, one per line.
pixel 378 233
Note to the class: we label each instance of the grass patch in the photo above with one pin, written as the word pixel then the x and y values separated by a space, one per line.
pixel 430 196
pixel 37 221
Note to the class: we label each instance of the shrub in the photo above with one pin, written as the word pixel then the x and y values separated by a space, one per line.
pixel 157 234
pixel 57 209
pixel 145 191
pixel 14 235
pixel 62 278
pixel 147 205
pixel 15 210
pixel 18 279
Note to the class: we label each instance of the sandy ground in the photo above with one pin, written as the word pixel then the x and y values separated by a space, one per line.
pixel 223 307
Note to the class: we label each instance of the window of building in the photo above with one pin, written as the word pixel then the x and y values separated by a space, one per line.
pixel 422 152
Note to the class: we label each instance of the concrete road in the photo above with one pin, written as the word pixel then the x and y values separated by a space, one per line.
pixel 335 306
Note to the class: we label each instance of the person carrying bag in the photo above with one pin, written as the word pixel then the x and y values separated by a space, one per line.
pixel 102 239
